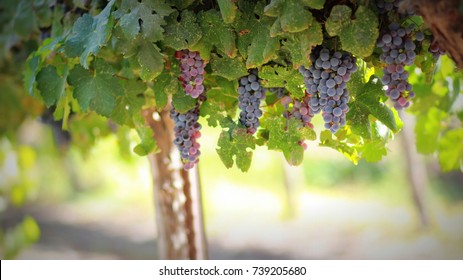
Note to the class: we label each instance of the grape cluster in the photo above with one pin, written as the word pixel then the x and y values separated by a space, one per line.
pixel 192 76
pixel 436 50
pixel 325 82
pixel 186 130
pixel 385 6
pixel 300 110
pixel 398 50
pixel 251 94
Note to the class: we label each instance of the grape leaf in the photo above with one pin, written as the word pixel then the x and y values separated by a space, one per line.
pixel 358 36
pixel 285 135
pixel 228 10
pixel 95 91
pixel 147 142
pixel 373 151
pixel 300 44
pixel 427 129
pixel 35 62
pixel 215 34
pixel 130 103
pixel 351 153
pixel 291 15
pixel 150 60
pixel 256 44
pixel 339 18
pixel 51 85
pixel 221 103
pixel 183 102
pixel 278 76
pixel 163 86
pixel 366 100
pixel 229 68
pixel 146 17
pixel 24 19
pixel 183 34
pixel 30 73
pixel 314 4
pixel 89 34
pixel 451 150
pixel 233 147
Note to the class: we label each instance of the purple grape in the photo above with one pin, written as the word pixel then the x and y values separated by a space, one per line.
pixel 326 86
pixel 397 53
pixel 192 76
pixel 251 94
pixel 187 131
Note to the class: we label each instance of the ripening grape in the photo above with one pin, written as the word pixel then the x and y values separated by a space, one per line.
pixel 436 50
pixel 251 94
pixel 325 82
pixel 187 131
pixel 192 68
pixel 398 51
pixel 385 6
pixel 301 110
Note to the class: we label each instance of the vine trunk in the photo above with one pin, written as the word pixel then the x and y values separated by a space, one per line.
pixel 177 196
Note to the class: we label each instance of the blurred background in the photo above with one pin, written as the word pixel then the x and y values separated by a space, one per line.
pixel 98 204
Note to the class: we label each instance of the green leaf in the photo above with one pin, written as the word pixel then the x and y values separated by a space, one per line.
pixel 451 150
pixel 366 100
pixel 285 135
pixel 183 102
pixel 314 4
pixel 30 73
pixel 95 91
pixel 163 86
pixel 228 10
pixel 183 34
pixel 229 68
pixel 147 142
pixel 339 18
pixel 130 103
pixel 373 151
pixel 351 153
pixel 150 60
pixel 24 20
pixel 146 17
pixel 278 76
pixel 222 101
pixel 234 146
pixel 427 129
pixel 215 34
pixel 257 46
pixel 35 62
pixel 300 44
pixel 89 34
pixel 51 85
pixel 292 15
pixel 358 36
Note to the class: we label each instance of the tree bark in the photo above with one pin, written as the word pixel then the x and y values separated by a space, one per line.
pixel 416 169
pixel 177 196
pixel 445 19
pixel 292 176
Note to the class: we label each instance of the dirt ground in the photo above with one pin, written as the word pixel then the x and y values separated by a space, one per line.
pixel 324 228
